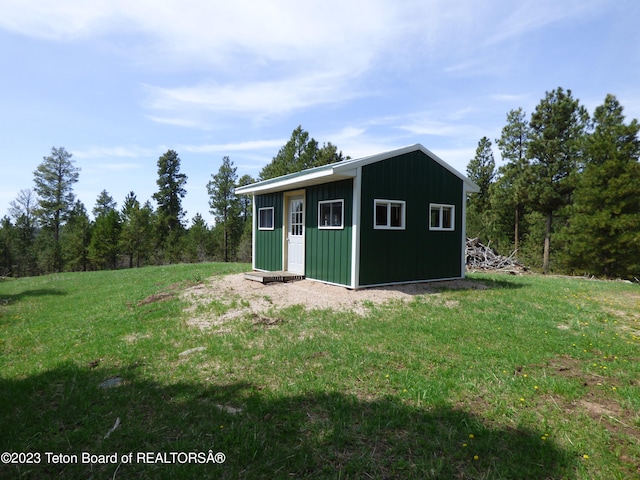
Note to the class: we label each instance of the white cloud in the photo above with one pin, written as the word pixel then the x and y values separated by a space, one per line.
pixel 60 20
pixel 257 99
pixel 431 127
pixel 532 15
pixel 511 98
pixel 120 151
pixel 216 31
pixel 250 145
pixel 179 122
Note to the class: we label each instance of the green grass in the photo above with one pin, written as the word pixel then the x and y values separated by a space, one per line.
pixel 532 377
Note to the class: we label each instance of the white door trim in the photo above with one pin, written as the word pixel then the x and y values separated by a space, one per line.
pixel 294 247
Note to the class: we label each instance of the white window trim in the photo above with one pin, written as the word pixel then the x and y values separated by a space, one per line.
pixel 273 220
pixel 331 227
pixel 440 207
pixel 388 203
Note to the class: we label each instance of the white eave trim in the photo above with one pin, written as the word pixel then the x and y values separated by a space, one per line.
pixel 304 180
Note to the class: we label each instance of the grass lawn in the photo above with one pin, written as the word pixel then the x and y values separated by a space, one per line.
pixel 533 377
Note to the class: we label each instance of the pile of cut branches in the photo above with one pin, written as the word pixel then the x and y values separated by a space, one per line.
pixel 483 257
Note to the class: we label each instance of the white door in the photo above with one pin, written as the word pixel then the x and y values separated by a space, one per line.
pixel 295 236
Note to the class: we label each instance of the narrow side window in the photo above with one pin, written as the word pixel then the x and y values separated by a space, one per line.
pixel 265 218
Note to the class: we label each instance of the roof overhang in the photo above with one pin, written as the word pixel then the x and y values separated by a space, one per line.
pixel 302 179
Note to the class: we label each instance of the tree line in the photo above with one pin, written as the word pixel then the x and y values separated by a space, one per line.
pixel 567 197
pixel 49 230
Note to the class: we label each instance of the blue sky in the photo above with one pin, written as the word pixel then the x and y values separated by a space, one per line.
pixel 119 82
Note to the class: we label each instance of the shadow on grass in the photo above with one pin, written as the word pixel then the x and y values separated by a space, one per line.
pixel 421 288
pixel 8 299
pixel 263 435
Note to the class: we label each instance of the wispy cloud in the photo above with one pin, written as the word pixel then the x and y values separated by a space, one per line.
pixel 257 99
pixel 511 97
pixel 179 122
pixel 247 146
pixel 110 152
pixel 261 59
pixel 531 15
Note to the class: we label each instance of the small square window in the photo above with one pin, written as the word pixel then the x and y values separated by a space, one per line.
pixel 331 214
pixel 265 218
pixel 389 214
pixel 441 217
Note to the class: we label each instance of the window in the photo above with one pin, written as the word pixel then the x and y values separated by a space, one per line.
pixel 389 214
pixel 265 218
pixel 441 217
pixel 331 214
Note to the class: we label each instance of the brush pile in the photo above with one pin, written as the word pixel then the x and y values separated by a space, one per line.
pixel 482 257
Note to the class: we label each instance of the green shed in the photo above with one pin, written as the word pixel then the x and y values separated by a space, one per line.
pixel 395 217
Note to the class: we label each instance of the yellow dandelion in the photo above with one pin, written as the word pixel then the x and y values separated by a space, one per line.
pixel 471 435
pixel 476 457
pixel 585 456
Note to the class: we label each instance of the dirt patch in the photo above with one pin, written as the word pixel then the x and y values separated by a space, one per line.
pixel 597 400
pixel 220 299
pixel 156 297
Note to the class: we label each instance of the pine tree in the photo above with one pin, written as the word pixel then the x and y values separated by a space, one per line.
pixel 105 241
pixel 603 236
pixel 198 240
pixel 129 236
pixel 54 179
pixel 225 206
pixel 76 238
pixel 299 153
pixel 104 204
pixel 169 198
pixel 558 125
pixel 509 192
pixel 245 200
pixel 481 170
pixel 246 238
pixel 136 235
pixel 7 250
pixel 22 209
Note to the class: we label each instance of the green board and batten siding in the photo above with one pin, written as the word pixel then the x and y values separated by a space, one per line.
pixel 328 252
pixel 415 253
pixel 268 243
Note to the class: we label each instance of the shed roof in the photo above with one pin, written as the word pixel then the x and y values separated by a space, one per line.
pixel 340 171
